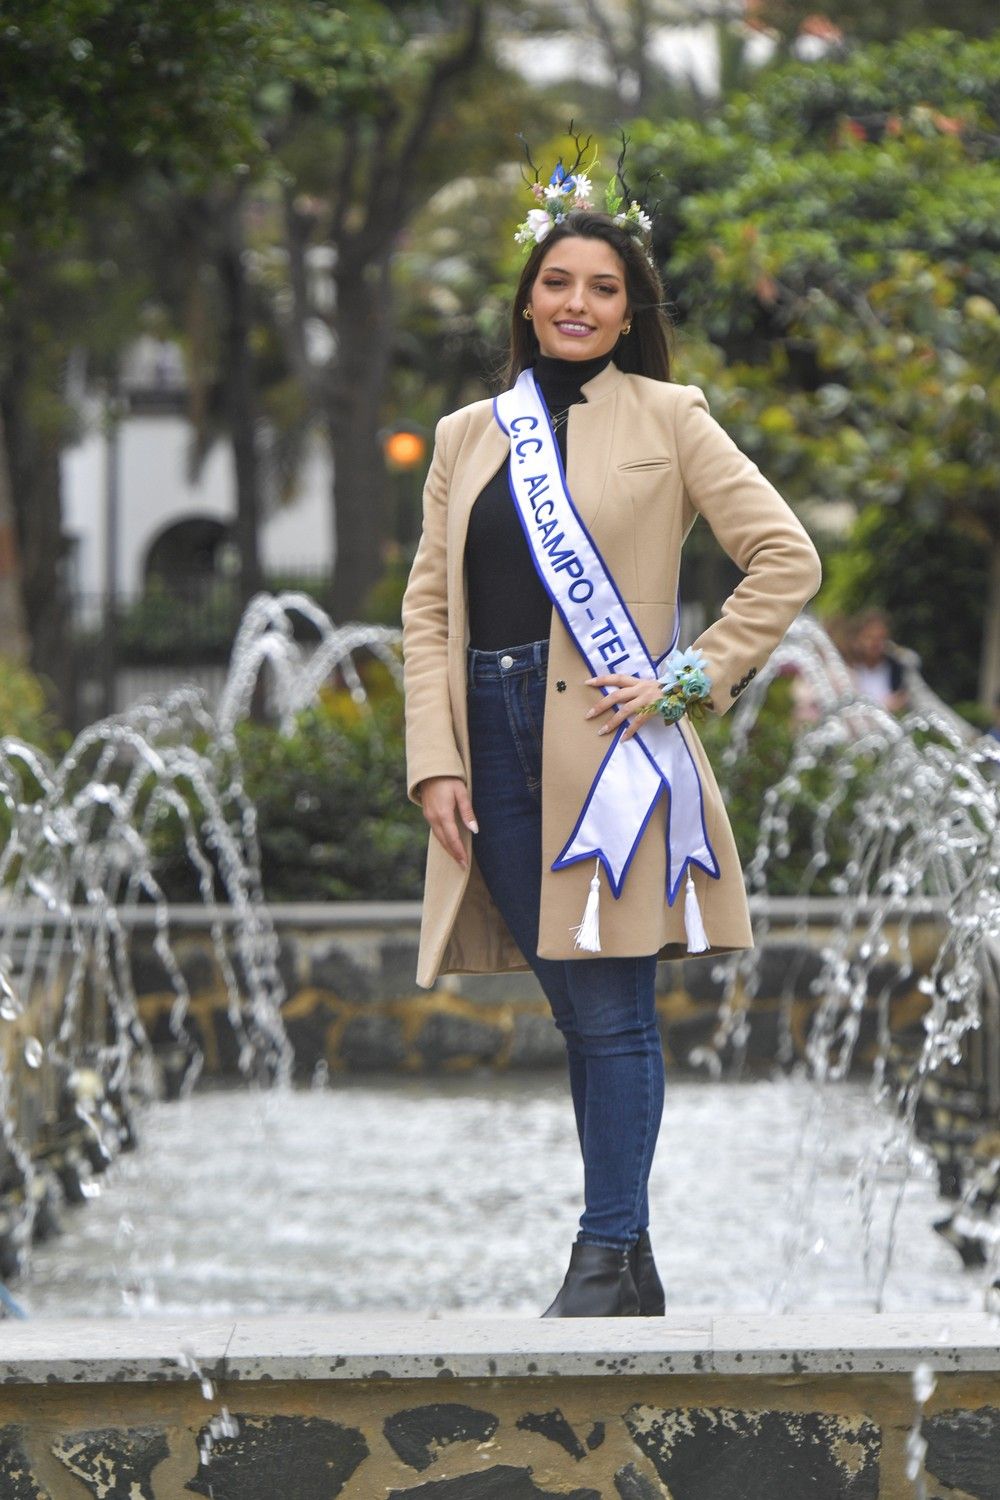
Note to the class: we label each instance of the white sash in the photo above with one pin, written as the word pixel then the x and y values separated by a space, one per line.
pixel 635 772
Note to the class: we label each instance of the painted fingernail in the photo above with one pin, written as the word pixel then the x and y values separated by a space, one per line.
pixel 471 824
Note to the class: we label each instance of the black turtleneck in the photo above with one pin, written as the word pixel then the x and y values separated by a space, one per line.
pixel 508 605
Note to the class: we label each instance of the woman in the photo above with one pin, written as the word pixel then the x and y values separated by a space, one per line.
pixel 494 651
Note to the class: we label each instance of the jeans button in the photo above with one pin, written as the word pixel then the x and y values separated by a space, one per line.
pixel 506 662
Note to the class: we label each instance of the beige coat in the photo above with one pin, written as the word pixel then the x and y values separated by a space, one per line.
pixel 644 459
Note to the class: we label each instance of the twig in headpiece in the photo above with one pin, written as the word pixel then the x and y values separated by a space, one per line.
pixel 625 206
pixel 527 152
pixel 581 151
pixel 619 175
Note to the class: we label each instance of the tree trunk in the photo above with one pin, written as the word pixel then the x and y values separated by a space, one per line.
pixel 241 393
pixel 989 661
pixel 33 453
pixel 641 27
pixel 352 416
pixel 13 628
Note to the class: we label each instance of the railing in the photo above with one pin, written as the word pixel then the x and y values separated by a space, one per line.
pixel 143 643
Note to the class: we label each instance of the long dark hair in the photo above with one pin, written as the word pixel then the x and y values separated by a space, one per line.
pixel 645 349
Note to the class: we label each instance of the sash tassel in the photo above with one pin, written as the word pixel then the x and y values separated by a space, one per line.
pixel 697 938
pixel 588 935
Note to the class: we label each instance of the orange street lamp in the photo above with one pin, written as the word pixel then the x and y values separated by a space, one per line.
pixel 404 449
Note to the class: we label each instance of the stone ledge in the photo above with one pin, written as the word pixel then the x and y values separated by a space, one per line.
pixel 782 910
pixel 366 1347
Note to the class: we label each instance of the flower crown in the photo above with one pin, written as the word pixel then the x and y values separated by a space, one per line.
pixel 571 188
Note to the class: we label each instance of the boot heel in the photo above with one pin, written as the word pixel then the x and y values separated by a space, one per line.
pixel 652 1301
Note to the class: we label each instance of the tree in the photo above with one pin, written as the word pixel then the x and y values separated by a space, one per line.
pixel 862 20
pixel 624 49
pixel 838 242
pixel 97 95
pixel 357 159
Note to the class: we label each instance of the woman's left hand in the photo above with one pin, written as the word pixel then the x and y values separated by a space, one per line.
pixel 626 697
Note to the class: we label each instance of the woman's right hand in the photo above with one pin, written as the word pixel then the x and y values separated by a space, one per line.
pixel 445 800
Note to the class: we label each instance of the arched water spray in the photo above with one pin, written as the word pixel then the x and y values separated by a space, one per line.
pixel 79 859
pixel 924 842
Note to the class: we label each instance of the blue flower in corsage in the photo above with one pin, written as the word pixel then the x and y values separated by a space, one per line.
pixel 684 682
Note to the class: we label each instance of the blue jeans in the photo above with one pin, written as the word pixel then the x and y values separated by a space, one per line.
pixel 604 1007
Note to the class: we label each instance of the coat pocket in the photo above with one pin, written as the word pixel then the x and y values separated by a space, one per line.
pixel 632 464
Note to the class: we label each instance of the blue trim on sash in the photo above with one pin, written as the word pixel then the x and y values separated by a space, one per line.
pixel 713 870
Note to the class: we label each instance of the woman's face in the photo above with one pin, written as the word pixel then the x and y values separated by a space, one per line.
pixel 578 300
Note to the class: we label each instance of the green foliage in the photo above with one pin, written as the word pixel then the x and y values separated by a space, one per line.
pixel 821 808
pixel 102 89
pixel 24 710
pixel 333 816
pixel 384 603
pixel 832 246
pixel 867 22
pixel 25 715
pixel 162 627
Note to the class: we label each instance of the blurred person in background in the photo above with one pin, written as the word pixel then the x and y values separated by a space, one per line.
pixel 876 665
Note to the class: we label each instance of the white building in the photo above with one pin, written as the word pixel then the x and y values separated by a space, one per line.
pixel 167 521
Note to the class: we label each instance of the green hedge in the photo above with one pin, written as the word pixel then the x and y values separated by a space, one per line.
pixel 334 821
pixel 24 709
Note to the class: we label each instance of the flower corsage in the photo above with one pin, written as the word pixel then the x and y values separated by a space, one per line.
pixel 684 682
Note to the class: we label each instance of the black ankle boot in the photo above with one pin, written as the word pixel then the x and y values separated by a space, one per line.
pixel 598 1284
pixel 652 1303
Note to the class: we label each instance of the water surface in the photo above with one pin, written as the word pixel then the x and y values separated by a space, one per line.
pixel 449 1195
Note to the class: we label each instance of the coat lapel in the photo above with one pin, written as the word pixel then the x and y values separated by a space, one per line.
pixel 589 442
pixel 475 467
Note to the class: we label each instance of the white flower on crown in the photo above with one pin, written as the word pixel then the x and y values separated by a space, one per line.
pixel 555 190
pixel 584 187
pixel 538 224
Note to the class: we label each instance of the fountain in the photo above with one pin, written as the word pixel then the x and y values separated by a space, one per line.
pixel 923 844
pixel 74 1056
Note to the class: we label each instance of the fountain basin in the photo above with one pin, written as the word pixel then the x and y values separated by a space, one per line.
pixel 352 1001
pixel 460 1408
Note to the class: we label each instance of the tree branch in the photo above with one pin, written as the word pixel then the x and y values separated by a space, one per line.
pixel 447 67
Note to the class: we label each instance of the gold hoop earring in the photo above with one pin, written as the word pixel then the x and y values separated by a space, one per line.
pixel 527 314
pixel 626 327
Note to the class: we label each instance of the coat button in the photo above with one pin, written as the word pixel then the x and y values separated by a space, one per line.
pixel 560 686
pixel 735 690
pixel 752 673
pixel 506 662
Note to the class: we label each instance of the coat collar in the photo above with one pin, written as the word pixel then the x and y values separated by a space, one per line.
pixel 603 384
